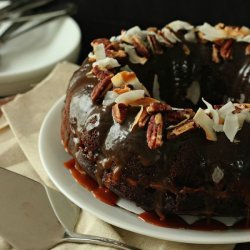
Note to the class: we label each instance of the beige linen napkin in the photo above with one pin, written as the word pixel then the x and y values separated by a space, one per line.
pixel 19 153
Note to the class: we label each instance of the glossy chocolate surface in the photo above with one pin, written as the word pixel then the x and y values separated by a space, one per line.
pixel 177 177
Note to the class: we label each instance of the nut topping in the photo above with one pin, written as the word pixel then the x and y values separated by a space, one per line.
pixel 140 48
pixel 156 107
pixel 226 49
pixel 176 116
pixel 105 42
pixel 101 74
pixel 141 118
pixel 120 91
pixel 119 112
pixel 101 88
pixel 187 126
pixel 215 53
pixel 154 131
pixel 119 54
pixel 154 44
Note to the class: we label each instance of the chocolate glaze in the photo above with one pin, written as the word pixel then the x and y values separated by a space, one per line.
pixel 177 177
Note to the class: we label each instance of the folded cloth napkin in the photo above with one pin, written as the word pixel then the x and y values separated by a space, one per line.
pixel 19 129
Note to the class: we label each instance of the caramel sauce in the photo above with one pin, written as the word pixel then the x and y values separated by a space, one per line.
pixel 170 222
pixel 174 221
pixel 101 193
pixel 107 196
pixel 70 164
pixel 84 180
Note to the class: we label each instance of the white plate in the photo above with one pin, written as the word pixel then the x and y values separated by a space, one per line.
pixel 28 58
pixel 53 156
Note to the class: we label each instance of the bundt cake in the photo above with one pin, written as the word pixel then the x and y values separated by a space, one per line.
pixel 161 117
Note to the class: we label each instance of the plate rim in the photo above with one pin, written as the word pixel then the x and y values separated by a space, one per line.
pixel 10 76
pixel 176 235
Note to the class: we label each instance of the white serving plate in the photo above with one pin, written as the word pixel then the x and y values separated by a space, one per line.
pixel 53 156
pixel 28 58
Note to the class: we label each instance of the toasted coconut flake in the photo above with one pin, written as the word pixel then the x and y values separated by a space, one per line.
pixel 91 57
pixel 160 38
pixel 156 88
pixel 106 63
pixel 241 118
pixel 128 78
pixel 143 101
pixel 190 36
pixel 226 109
pixel 130 96
pixel 180 25
pixel 237 32
pixel 120 91
pixel 217 175
pixel 127 36
pixel 246 112
pixel 170 35
pixel 123 78
pixel 231 126
pixel 109 98
pixel 244 39
pixel 137 117
pixel 115 38
pixel 211 33
pixel 218 122
pixel 194 92
pixel 206 123
pixel 99 51
pixel 133 57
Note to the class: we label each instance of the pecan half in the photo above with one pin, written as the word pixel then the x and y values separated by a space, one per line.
pixel 119 112
pixel 156 107
pixel 143 118
pixel 226 49
pixel 101 88
pixel 187 126
pixel 154 45
pixel 152 29
pixel 247 50
pixel 176 116
pixel 166 41
pixel 119 54
pixel 154 131
pixel 215 53
pixel 140 47
pixel 101 74
pixel 105 42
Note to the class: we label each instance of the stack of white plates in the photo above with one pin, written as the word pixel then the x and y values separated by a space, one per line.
pixel 27 59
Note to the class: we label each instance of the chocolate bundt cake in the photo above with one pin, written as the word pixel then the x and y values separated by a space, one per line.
pixel 161 117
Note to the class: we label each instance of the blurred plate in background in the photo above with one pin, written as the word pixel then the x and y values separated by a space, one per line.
pixel 27 59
